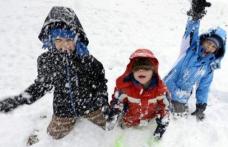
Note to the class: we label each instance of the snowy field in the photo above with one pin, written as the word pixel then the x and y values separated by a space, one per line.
pixel 115 29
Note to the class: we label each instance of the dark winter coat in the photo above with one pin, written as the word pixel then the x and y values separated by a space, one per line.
pixel 79 85
pixel 78 80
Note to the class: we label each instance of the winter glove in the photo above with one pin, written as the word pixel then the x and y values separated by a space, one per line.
pixel 11 103
pixel 197 10
pixel 200 108
pixel 161 127
pixel 7 105
pixel 1 106
pixel 111 116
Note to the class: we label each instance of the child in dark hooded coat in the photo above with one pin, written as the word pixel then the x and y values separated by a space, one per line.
pixel 78 78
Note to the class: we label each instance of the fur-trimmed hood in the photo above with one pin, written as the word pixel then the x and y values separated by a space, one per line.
pixel 220 34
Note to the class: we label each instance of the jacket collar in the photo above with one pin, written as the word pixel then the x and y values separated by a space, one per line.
pixel 153 83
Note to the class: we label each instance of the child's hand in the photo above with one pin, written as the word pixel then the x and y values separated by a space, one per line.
pixel 111 115
pixel 161 128
pixel 4 107
pixel 197 10
pixel 111 122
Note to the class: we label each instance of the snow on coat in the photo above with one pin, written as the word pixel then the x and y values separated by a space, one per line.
pixel 79 85
pixel 192 68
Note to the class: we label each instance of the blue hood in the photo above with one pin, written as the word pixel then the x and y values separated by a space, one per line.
pixel 221 35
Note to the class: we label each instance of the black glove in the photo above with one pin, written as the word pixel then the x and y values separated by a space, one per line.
pixel 112 118
pixel 113 114
pixel 161 127
pixel 109 112
pixel 11 103
pixel 5 106
pixel 200 108
pixel 197 10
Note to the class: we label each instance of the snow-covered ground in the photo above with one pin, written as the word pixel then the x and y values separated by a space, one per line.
pixel 115 29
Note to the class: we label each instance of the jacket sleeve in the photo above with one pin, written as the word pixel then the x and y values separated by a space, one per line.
pixel 119 101
pixel 35 91
pixel 163 110
pixel 100 83
pixel 170 83
pixel 203 88
pixel 191 35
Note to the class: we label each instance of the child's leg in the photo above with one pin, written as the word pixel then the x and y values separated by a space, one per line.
pixel 97 117
pixel 180 109
pixel 60 126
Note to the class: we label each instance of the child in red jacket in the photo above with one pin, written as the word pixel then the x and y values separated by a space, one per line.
pixel 139 94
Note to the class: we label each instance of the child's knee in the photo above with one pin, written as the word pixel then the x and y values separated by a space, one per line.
pixel 179 107
pixel 97 117
pixel 59 127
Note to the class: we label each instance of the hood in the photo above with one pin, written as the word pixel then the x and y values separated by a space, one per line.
pixel 62 17
pixel 221 35
pixel 139 53
pixel 142 53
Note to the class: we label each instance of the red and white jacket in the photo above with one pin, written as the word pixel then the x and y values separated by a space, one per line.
pixel 142 104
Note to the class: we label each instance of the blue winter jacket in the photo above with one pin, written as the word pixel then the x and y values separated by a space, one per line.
pixel 192 68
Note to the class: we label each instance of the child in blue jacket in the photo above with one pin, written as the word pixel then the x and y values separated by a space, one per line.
pixel 200 56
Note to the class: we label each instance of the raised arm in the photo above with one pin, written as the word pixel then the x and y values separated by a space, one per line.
pixel 191 34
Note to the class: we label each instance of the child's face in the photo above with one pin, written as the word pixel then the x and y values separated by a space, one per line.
pixel 143 76
pixel 209 47
pixel 65 45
